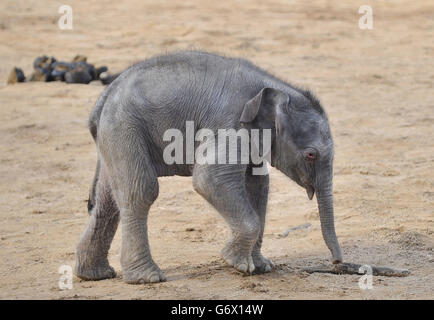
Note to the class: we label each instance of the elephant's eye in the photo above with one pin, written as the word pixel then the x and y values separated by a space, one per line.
pixel 310 155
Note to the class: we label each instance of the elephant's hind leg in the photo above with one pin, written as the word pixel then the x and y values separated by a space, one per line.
pixel 92 250
pixel 135 186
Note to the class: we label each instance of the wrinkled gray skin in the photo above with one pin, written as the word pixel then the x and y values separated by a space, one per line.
pixel 128 122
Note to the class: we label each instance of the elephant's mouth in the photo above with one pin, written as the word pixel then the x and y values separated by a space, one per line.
pixel 310 191
pixel 304 182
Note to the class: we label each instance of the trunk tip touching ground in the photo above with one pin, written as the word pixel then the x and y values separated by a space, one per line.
pixel 353 268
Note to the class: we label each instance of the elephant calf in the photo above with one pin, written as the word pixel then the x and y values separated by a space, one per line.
pixel 129 121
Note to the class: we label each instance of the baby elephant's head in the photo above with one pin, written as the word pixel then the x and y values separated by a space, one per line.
pixel 302 147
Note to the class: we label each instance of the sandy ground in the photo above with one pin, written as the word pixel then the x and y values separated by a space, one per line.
pixel 376 85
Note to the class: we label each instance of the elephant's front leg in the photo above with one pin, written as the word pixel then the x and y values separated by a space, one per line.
pixel 224 188
pixel 257 189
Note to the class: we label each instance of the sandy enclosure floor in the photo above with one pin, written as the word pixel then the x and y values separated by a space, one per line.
pixel 377 88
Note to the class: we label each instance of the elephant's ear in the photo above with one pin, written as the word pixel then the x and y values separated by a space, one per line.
pixel 260 111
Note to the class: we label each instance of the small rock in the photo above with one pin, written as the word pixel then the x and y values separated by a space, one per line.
pixel 92 71
pixel 39 76
pixel 38 211
pixel 100 70
pixel 43 65
pixel 78 75
pixel 107 78
pixel 79 58
pixel 189 229
pixel 60 69
pixel 16 75
pixel 95 83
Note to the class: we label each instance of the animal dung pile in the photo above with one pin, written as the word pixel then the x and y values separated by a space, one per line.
pixel 49 69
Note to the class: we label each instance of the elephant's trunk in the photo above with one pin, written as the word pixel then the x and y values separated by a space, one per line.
pixel 325 205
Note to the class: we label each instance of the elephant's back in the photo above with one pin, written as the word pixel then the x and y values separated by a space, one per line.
pixel 164 92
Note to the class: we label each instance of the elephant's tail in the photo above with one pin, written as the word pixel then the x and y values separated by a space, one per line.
pixel 91 201
pixel 93 128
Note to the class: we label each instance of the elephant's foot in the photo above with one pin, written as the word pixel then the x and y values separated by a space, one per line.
pixel 262 264
pixel 150 273
pixel 94 272
pixel 240 261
